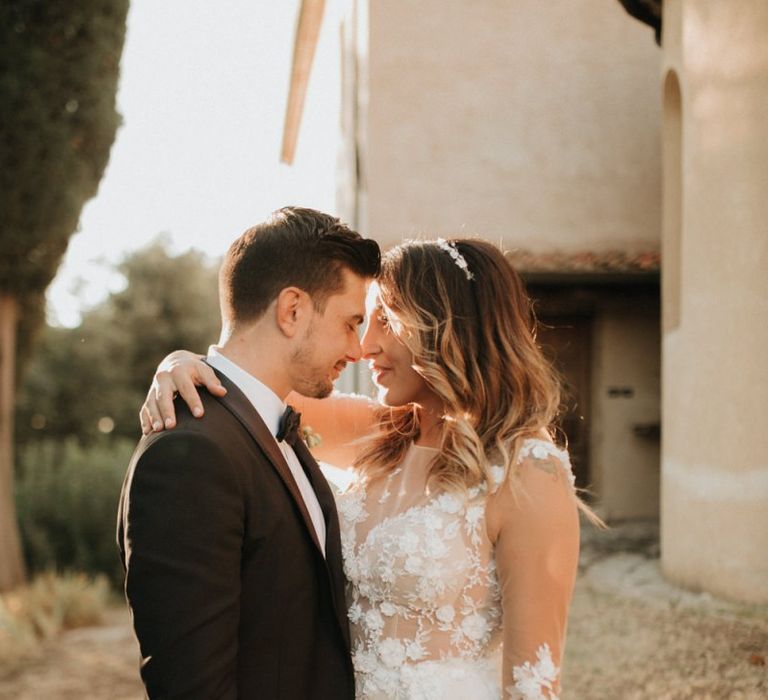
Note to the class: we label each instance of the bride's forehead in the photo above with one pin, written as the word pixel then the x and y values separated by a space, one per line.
pixel 373 297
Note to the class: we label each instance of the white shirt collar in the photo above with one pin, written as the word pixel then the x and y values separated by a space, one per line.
pixel 266 402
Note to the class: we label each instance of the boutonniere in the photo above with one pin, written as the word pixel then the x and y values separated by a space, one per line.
pixel 310 437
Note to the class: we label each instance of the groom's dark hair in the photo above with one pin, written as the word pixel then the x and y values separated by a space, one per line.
pixel 295 247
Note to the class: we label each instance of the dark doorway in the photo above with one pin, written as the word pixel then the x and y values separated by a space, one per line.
pixel 566 342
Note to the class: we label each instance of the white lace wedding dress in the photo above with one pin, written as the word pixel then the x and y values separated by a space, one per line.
pixel 432 600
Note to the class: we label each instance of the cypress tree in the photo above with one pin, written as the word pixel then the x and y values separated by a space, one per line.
pixel 59 67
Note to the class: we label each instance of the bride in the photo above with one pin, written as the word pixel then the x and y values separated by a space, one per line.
pixel 460 532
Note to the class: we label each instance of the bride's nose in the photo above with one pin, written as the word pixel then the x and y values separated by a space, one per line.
pixel 369 343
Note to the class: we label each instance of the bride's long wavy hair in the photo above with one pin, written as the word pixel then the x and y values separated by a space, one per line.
pixel 474 343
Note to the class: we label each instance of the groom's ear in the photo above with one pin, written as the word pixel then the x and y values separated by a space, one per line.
pixel 292 310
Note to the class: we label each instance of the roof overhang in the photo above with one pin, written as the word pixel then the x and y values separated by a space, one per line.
pixel 588 267
pixel 647 11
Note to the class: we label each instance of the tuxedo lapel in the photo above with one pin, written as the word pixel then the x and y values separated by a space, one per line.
pixel 333 559
pixel 238 405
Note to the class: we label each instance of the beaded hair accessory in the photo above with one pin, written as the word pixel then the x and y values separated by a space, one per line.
pixel 458 258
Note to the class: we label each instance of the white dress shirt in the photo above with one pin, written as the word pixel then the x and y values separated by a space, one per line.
pixel 270 407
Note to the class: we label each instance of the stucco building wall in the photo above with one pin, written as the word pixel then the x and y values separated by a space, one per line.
pixel 535 123
pixel 539 125
pixel 715 398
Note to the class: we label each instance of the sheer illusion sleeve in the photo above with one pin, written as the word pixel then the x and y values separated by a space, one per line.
pixel 535 527
pixel 338 421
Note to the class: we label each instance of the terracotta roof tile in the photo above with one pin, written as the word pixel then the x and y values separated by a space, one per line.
pixel 613 261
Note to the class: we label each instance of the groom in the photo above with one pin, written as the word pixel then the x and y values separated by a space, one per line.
pixel 227 529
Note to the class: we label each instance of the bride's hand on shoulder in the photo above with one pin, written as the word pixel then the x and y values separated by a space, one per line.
pixel 180 372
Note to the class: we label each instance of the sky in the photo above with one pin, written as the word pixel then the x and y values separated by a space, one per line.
pixel 202 94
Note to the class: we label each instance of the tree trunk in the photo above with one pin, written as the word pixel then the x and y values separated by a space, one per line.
pixel 12 573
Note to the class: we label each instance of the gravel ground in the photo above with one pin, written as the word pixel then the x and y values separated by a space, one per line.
pixel 632 636
pixel 93 663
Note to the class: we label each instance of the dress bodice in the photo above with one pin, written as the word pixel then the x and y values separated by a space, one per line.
pixel 422 584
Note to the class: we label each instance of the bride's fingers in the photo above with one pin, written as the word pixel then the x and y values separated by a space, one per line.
pixel 188 377
pixel 160 401
pixel 188 391
pixel 146 420
pixel 207 377
pixel 150 414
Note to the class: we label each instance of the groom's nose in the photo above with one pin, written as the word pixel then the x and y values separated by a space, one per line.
pixel 354 351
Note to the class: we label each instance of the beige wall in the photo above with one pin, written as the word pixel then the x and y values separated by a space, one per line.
pixel 625 466
pixel 715 398
pixel 353 38
pixel 536 123
pixel 533 123
pixel 539 124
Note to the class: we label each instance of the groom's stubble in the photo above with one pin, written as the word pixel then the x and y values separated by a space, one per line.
pixel 311 376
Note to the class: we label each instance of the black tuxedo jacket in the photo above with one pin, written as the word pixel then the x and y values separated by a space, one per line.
pixel 230 593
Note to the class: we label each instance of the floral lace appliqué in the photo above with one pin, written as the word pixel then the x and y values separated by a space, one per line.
pixel 422 588
pixel 543 449
pixel 537 681
pixel 423 596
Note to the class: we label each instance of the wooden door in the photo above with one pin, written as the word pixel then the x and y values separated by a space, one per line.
pixel 566 341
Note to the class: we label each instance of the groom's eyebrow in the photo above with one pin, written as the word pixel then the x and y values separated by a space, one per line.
pixel 358 319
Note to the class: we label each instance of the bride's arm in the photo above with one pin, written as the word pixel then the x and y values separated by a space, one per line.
pixel 535 526
pixel 339 420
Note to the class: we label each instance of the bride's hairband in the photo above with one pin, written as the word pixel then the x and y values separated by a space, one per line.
pixel 458 258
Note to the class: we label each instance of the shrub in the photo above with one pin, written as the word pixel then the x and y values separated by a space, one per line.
pixel 67 496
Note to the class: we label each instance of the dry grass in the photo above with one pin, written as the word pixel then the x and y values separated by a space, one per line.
pixel 49 605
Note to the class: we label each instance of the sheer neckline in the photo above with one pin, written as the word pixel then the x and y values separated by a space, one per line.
pixel 425 447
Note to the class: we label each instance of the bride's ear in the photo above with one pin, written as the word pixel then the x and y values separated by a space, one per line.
pixel 293 309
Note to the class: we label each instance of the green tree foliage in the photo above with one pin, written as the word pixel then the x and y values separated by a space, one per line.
pixel 102 368
pixel 67 497
pixel 59 65
pixel 77 413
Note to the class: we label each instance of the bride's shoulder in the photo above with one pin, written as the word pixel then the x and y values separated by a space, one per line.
pixel 536 491
pixel 542 453
pixel 535 453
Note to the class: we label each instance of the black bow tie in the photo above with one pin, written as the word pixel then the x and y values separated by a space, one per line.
pixel 289 426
